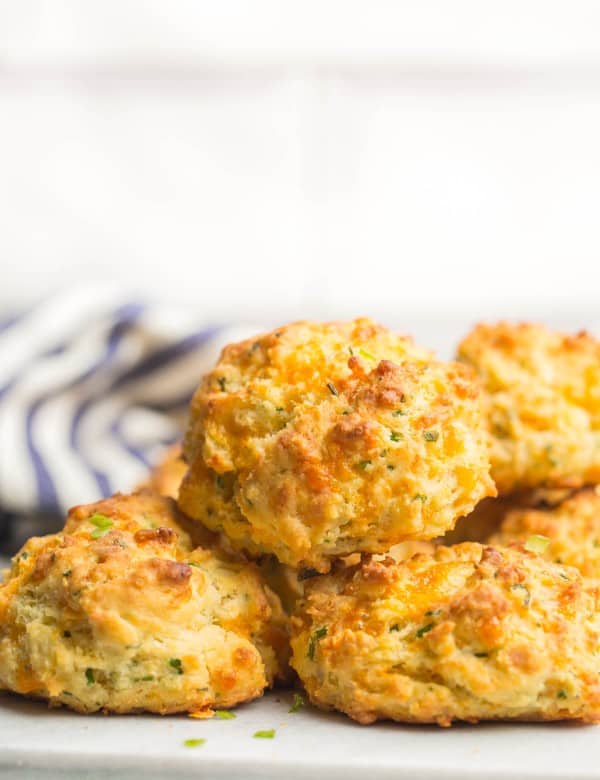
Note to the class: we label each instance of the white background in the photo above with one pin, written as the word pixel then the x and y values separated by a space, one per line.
pixel 284 159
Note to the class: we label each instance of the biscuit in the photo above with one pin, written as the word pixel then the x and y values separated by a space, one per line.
pixel 542 395
pixel 120 612
pixel 318 441
pixel 468 633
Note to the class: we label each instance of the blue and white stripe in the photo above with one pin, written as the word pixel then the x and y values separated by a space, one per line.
pixel 91 390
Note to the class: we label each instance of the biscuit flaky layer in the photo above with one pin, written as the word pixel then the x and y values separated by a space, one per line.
pixel 121 612
pixel 317 441
pixel 542 394
pixel 468 633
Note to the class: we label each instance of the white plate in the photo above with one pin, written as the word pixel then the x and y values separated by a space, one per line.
pixel 37 743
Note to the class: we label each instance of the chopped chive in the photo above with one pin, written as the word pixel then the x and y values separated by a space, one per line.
pixel 420 497
pixel 527 594
pixel 298 703
pixel 561 695
pixel 193 563
pixel 196 742
pixel 224 715
pixel 431 435
pixel 432 612
pixel 67 573
pixel 424 630
pixel 89 676
pixel 394 436
pixel 390 467
pixel 146 678
pixel 266 734
pixel 537 543
pixel 363 464
pixel 175 663
pixel 103 525
pixel 481 655
pixel 350 350
pixel 366 354
pixel 316 637
pixel 100 520
pixel 24 555
pixel 279 409
pixel 332 388
pixel 221 381
pixel 398 413
pixel 98 533
pixel 394 627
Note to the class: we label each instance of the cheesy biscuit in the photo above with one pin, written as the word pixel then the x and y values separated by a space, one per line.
pixel 317 441
pixel 468 633
pixel 120 612
pixel 542 394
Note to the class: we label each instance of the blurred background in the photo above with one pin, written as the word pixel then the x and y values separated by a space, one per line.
pixel 321 158
pixel 246 163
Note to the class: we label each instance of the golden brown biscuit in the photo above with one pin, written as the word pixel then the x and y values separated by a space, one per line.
pixel 165 478
pixel 542 393
pixel 469 633
pixel 570 531
pixel 120 613
pixel 318 441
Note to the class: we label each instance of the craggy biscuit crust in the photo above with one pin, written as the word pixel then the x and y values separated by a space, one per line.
pixel 542 392
pixel 469 633
pixel 572 528
pixel 121 613
pixel 318 441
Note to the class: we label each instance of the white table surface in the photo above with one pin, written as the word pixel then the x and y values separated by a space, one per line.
pixel 39 743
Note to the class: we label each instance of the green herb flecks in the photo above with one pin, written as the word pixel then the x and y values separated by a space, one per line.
pixel 481 655
pixel 224 714
pixel 537 544
pixel 431 435
pixel 221 380
pixel 366 354
pixel 332 388
pixel 195 742
pixel 89 676
pixel 362 464
pixel 103 525
pixel 561 695
pixel 266 734
pixel 316 637
pixel 525 590
pixel 423 630
pixel 395 436
pixel 298 703
pixel 420 497
pixel 175 663
pixel 394 627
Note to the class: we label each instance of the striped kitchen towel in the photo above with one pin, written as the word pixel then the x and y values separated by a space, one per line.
pixel 92 389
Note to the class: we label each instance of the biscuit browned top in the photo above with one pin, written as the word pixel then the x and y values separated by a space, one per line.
pixel 470 632
pixel 317 441
pixel 542 392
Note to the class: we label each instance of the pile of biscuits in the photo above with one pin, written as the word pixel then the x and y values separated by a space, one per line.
pixel 406 538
